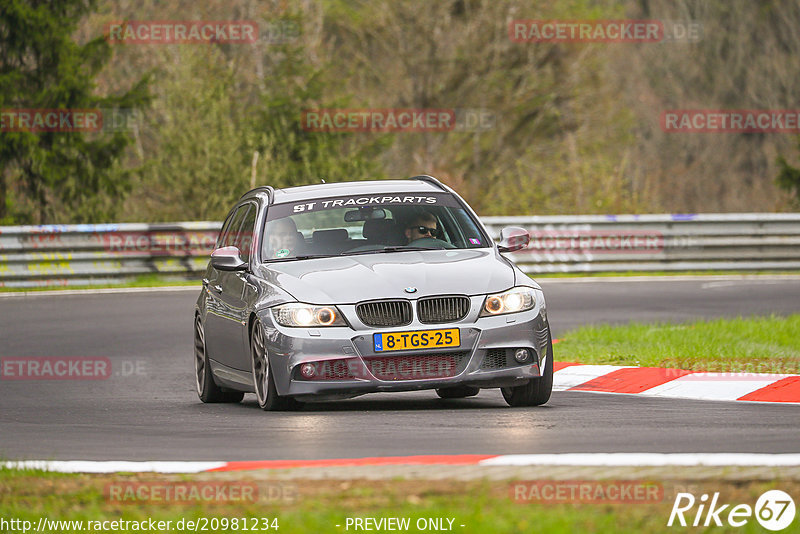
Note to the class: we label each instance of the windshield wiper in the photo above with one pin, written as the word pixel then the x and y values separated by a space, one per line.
pixel 400 248
pixel 383 250
pixel 403 247
pixel 301 257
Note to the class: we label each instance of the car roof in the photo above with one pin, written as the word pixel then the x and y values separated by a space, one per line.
pixel 369 187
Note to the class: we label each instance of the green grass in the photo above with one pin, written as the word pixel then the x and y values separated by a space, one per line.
pixel 145 280
pixel 757 344
pixel 481 506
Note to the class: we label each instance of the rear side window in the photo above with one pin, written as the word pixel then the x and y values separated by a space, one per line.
pixel 230 234
pixel 244 237
pixel 223 232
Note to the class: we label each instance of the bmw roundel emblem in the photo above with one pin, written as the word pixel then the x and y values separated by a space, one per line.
pixel 410 290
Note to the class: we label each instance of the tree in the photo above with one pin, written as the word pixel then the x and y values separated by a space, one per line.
pixel 294 155
pixel 200 133
pixel 59 175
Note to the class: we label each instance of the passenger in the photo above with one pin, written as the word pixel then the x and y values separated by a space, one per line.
pixel 282 238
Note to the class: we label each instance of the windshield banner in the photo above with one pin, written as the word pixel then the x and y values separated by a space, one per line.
pixel 278 211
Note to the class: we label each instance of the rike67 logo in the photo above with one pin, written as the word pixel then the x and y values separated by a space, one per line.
pixel 774 510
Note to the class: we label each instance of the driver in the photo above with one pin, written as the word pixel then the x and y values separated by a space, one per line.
pixel 421 226
pixel 282 238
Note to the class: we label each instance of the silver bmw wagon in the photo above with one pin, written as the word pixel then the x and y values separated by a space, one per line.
pixel 330 291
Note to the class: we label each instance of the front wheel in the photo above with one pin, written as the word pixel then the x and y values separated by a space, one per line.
pixel 537 391
pixel 266 392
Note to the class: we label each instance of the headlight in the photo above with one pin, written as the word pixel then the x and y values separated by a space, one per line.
pixel 514 300
pixel 307 315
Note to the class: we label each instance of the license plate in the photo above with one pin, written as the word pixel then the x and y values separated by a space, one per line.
pixel 420 339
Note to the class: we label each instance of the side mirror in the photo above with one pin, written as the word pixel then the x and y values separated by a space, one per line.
pixel 228 259
pixel 513 238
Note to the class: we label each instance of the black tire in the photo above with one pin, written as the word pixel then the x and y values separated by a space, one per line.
pixel 458 392
pixel 266 392
pixel 207 389
pixel 537 391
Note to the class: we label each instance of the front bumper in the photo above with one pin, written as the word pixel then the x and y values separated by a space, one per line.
pixel 346 363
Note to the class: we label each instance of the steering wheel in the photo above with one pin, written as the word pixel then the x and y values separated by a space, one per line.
pixel 430 242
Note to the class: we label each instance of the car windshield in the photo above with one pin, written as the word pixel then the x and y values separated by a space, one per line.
pixel 368 225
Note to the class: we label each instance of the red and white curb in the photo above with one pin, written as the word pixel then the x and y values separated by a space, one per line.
pixel 677 383
pixel 542 460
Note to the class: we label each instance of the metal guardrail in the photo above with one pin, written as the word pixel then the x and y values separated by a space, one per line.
pixel 107 253
pixel 85 254
pixel 621 243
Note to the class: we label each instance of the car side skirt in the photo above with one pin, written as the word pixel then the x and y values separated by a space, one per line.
pixel 229 377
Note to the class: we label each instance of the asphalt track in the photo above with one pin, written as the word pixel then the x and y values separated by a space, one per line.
pixel 148 409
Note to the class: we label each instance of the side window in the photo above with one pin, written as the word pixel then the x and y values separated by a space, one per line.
pixel 229 239
pixel 244 237
pixel 226 226
pixel 473 236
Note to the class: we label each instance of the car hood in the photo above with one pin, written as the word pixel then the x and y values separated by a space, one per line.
pixel 350 279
